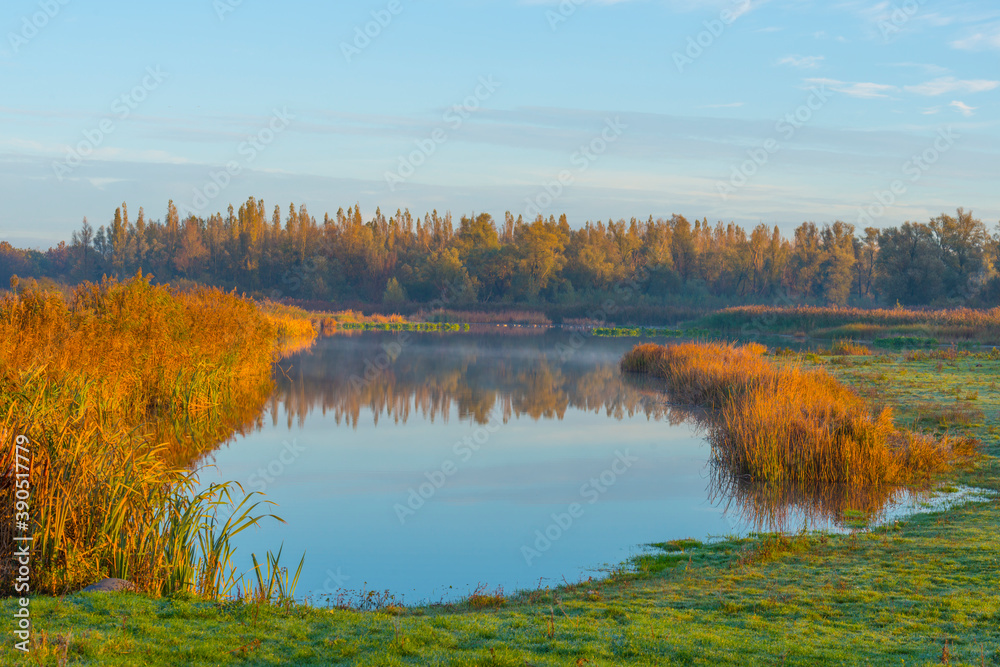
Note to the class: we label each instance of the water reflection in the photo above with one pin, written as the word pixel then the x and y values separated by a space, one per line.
pixel 789 507
pixel 460 376
pixel 362 429
pixel 471 377
pixel 759 507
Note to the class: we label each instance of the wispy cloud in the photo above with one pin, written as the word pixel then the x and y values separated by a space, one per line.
pixel 949 84
pixel 980 40
pixel 888 19
pixel 821 34
pixel 927 67
pixel 802 62
pixel 101 183
pixel 742 8
pixel 963 108
pixel 863 90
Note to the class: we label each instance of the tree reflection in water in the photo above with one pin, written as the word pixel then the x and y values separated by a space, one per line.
pixel 468 377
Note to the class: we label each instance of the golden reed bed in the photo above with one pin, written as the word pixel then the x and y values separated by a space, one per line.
pixel 781 423
pixel 117 388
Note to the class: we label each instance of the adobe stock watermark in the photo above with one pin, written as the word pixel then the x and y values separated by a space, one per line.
pixel 23 540
pixel 625 291
pixel 561 14
pixel 224 7
pixel 365 35
pixel 34 24
pixel 914 169
pixel 453 118
pixel 295 277
pixel 582 159
pixel 335 581
pixel 591 492
pixel 381 362
pixel 786 127
pixel 463 450
pixel 275 468
pixel 248 151
pixel 697 45
pixel 898 16
pixel 121 108
pixel 393 350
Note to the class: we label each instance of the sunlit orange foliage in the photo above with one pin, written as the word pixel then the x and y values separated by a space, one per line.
pixel 781 423
pixel 116 388
pixel 849 348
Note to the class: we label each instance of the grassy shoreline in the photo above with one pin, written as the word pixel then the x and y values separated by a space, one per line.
pixel 917 593
pixel 951 325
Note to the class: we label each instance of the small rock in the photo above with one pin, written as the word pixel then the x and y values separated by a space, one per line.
pixel 110 586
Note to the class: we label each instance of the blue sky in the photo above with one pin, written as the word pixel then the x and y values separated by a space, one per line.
pixel 743 110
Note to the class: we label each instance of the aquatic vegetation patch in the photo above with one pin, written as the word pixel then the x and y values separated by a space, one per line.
pixel 904 342
pixel 648 332
pixel 781 423
pixel 443 327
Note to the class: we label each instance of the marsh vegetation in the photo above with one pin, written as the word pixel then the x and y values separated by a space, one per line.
pixel 118 388
pixel 775 423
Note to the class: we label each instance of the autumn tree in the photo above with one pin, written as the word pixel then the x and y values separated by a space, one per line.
pixel 539 255
pixel 963 243
pixel 909 267
pixel 82 247
pixel 865 259
pixel 837 265
pixel 118 237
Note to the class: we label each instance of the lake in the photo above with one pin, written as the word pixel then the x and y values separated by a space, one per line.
pixel 430 465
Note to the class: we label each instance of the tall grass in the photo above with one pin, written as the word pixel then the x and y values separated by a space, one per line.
pixel 117 388
pixel 945 324
pixel 779 423
pixel 849 348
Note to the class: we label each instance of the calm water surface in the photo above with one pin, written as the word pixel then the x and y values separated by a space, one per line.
pixel 428 465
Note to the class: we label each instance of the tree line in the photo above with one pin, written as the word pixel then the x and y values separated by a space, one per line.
pixel 948 260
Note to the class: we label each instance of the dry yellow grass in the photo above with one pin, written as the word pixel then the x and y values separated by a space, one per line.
pixel 780 423
pixel 117 388
pixel 849 348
